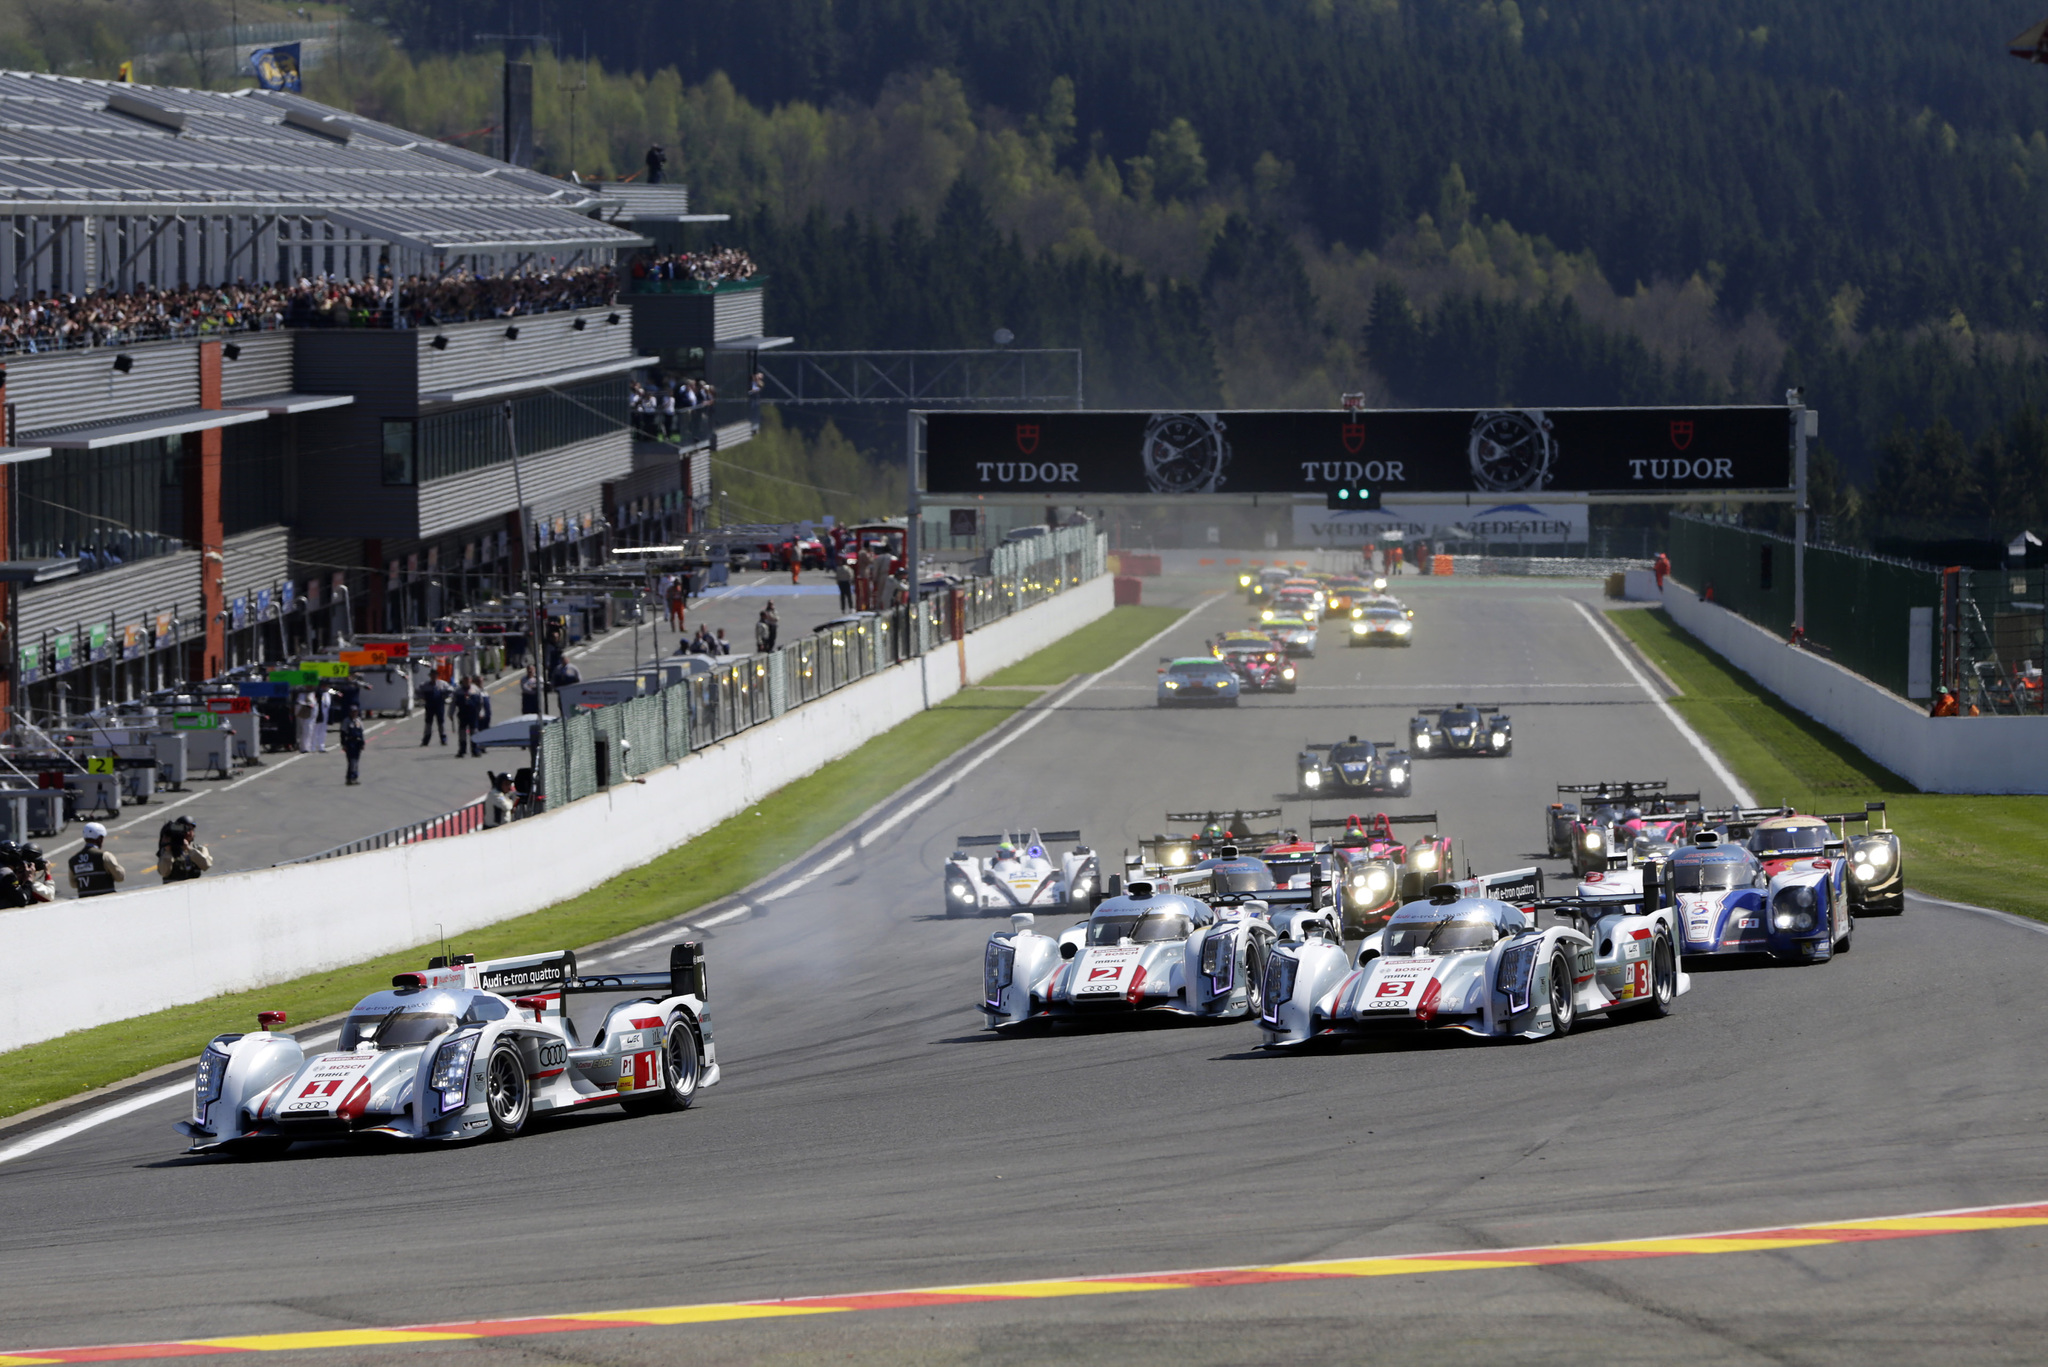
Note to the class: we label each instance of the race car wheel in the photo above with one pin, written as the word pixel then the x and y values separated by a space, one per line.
pixel 681 1064
pixel 1848 935
pixel 1663 981
pixel 1564 1007
pixel 1254 983
pixel 505 1089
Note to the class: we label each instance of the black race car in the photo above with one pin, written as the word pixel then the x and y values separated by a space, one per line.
pixel 1461 730
pixel 1354 766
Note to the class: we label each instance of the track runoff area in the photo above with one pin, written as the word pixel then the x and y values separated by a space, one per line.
pixel 1832 1163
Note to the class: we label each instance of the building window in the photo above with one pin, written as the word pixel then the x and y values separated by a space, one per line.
pixel 400 467
pixel 108 507
pixel 252 460
pixel 467 439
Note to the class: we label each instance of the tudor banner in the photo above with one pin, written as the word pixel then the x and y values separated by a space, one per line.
pixel 1429 451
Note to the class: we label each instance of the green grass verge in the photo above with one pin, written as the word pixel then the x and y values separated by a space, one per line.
pixel 1093 647
pixel 721 861
pixel 1985 850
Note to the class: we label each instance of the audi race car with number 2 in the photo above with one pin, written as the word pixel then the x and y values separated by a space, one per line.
pixel 464 1050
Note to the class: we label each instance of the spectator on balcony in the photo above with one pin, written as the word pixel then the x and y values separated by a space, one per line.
pixel 657 158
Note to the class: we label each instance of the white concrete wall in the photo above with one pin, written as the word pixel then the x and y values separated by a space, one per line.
pixel 1936 755
pixel 75 964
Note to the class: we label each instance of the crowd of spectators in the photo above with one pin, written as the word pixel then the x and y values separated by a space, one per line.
pixel 662 409
pixel 57 322
pixel 713 267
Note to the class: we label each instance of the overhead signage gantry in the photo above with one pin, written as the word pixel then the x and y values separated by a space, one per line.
pixel 1708 454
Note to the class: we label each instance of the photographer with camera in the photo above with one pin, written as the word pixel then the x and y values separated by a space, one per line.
pixel 34 873
pixel 179 855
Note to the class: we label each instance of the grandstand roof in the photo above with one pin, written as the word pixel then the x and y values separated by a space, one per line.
pixel 78 147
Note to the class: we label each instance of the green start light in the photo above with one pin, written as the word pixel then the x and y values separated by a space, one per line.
pixel 1353 496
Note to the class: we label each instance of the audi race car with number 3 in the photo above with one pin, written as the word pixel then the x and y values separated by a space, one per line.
pixel 1487 957
pixel 464 1050
pixel 1022 874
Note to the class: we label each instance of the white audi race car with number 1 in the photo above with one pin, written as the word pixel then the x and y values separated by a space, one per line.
pixel 461 1051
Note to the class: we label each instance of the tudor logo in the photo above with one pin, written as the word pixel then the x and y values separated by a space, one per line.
pixel 1681 433
pixel 1027 437
pixel 1354 437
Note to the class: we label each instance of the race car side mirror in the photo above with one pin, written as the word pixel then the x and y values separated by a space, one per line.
pixel 1022 921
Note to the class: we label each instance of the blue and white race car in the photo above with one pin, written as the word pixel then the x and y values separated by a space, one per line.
pixel 1729 902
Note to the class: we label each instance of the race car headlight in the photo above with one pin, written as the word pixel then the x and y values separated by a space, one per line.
pixel 1266 614
pixel 1878 855
pixel 1357 612
pixel 1396 773
pixel 1422 740
pixel 1518 972
pixel 998 963
pixel 1219 963
pixel 1175 856
pixel 1223 683
pixel 1287 673
pixel 450 1078
pixel 1864 872
pixel 1171 685
pixel 1244 581
pixel 1311 778
pixel 1280 973
pixel 1795 909
pixel 960 891
pixel 1360 628
pixel 1425 859
pixel 206 1083
pixel 1084 882
pixel 1500 740
pixel 1593 840
pixel 1403 627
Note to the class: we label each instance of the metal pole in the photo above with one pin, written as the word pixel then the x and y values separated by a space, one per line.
pixel 911 421
pixel 535 653
pixel 1800 423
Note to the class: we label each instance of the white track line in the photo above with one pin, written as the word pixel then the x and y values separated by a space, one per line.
pixel 42 1139
pixel 1736 790
pixel 2017 922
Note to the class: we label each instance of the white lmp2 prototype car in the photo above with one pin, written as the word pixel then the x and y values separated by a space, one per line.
pixel 1487 957
pixel 1022 875
pixel 1154 947
pixel 461 1051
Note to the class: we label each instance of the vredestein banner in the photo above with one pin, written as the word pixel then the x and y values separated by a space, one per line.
pixel 1488 452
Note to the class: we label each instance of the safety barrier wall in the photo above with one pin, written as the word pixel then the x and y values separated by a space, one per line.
pixel 1935 754
pixel 127 955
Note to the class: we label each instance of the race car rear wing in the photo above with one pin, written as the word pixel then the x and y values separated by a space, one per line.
pixel 1405 819
pixel 1045 837
pixel 1519 887
pixel 1236 814
pixel 1378 744
pixel 686 977
pixel 1863 816
pixel 1740 821
pixel 1623 789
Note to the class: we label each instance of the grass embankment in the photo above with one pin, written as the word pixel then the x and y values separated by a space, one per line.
pixel 1986 850
pixel 723 860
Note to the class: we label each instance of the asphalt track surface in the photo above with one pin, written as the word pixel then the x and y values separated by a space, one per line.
pixel 870 1136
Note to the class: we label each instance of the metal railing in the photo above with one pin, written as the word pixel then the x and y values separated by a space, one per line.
pixel 461 821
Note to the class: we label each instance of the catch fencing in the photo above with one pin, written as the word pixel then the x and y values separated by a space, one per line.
pixel 1858 606
pixel 591 750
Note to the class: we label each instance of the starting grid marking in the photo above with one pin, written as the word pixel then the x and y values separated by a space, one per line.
pixel 1922 1226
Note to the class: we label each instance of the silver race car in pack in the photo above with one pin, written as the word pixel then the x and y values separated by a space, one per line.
pixel 1488 957
pixel 464 1050
pixel 1155 948
pixel 1461 730
pixel 1021 874
pixel 1353 767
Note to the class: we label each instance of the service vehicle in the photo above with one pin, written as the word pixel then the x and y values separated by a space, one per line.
pixel 1155 948
pixel 1353 766
pixel 1295 636
pixel 1196 681
pixel 1489 957
pixel 1461 730
pixel 1377 626
pixel 464 1050
pixel 1021 873
pixel 1792 906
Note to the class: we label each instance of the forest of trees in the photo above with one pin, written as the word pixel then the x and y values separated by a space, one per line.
pixel 1272 202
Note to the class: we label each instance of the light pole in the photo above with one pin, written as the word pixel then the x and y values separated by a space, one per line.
pixel 534 653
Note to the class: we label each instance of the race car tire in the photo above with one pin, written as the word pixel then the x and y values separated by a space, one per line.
pixel 1849 935
pixel 505 1091
pixel 681 1064
pixel 1254 982
pixel 1663 983
pixel 1564 1006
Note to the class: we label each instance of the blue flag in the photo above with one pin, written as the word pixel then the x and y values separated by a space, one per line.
pixel 276 68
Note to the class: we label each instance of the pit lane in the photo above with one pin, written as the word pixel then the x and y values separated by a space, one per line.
pixel 870 1136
